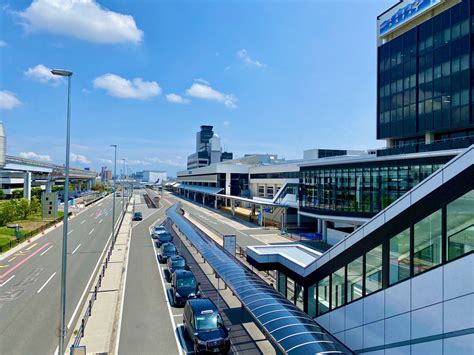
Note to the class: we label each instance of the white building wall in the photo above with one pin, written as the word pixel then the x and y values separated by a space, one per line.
pixel 432 313
pixel 152 176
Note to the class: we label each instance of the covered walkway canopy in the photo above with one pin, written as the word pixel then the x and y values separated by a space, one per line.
pixel 207 190
pixel 289 328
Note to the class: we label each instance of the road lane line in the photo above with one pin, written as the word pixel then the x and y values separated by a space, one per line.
pixel 76 249
pixel 84 221
pixel 8 272
pixel 3 284
pixel 31 246
pixel 92 231
pixel 12 259
pixel 46 250
pixel 44 285
pixel 72 230
pixel 100 221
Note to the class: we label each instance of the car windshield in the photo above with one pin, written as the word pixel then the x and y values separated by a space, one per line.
pixel 207 321
pixel 159 229
pixel 169 247
pixel 178 263
pixel 186 281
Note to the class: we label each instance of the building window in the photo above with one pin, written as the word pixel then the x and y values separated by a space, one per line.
pixel 399 266
pixel 270 191
pixel 323 295
pixel 299 296
pixel 290 290
pixel 282 283
pixel 337 282
pixel 354 279
pixel 373 270
pixel 312 301
pixel 460 225
pixel 261 191
pixel 427 243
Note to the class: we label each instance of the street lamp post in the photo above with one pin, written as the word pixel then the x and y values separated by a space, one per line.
pixel 113 178
pixel 123 185
pixel 62 319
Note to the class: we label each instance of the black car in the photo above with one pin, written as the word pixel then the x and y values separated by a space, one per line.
pixel 137 216
pixel 204 326
pixel 175 263
pixel 183 287
pixel 163 238
pixel 167 250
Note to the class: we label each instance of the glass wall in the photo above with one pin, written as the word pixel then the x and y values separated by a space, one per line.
pixel 373 270
pixel 312 301
pixel 427 243
pixel 399 264
pixel 364 274
pixel 366 190
pixel 460 226
pixel 282 283
pixel 290 289
pixel 424 77
pixel 323 295
pixel 354 279
pixel 338 288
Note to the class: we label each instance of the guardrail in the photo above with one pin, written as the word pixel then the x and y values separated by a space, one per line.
pixel 80 332
pixel 28 235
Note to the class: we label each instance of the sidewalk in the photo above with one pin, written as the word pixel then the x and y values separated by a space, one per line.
pixel 102 326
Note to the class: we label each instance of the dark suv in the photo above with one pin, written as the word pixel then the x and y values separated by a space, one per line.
pixel 167 250
pixel 183 287
pixel 204 325
pixel 175 263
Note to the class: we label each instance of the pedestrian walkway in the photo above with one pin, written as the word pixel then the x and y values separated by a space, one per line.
pixel 102 325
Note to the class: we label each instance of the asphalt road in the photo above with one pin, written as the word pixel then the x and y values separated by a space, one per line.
pixel 30 281
pixel 146 324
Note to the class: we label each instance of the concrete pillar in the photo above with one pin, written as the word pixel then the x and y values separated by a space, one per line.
pixel 203 199
pixel 215 203
pixel 227 183
pixel 89 184
pixel 319 227
pixel 49 186
pixel 232 206
pixel 325 230
pixel 195 197
pixel 429 138
pixel 298 219
pixel 27 185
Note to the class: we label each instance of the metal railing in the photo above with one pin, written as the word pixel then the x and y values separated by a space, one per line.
pixel 80 332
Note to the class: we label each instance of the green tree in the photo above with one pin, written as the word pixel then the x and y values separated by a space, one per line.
pixel 7 213
pixel 23 208
pixel 35 205
pixel 36 191
pixel 2 194
pixel 17 193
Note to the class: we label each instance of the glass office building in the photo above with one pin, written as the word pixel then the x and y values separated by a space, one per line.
pixel 425 84
pixel 362 189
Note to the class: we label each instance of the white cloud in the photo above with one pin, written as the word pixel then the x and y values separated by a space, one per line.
pixel 106 161
pixel 206 92
pixel 78 158
pixel 82 19
pixel 243 54
pixel 35 156
pixel 42 74
pixel 3 44
pixel 202 81
pixel 177 99
pixel 8 100
pixel 226 123
pixel 137 162
pixel 167 162
pixel 120 87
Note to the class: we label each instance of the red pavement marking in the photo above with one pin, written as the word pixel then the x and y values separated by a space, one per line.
pixel 16 266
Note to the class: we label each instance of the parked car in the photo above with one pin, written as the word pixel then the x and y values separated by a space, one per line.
pixel 167 250
pixel 183 287
pixel 204 326
pixel 157 230
pixel 137 216
pixel 175 263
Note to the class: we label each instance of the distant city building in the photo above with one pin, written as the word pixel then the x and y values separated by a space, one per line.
pixel 208 149
pixel 105 175
pixel 150 176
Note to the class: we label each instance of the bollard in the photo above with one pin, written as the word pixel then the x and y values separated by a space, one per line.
pixel 90 307
pixel 95 293
pixel 82 328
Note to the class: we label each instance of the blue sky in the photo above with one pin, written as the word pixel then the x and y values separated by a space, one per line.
pixel 271 76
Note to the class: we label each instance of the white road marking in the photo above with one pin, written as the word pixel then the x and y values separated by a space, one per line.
pixel 84 221
pixel 76 249
pixel 100 221
pixel 160 271
pixel 91 231
pixel 46 250
pixel 3 284
pixel 72 230
pixel 44 285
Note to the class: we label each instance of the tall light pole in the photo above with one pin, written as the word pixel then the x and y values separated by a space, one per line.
pixel 113 178
pixel 62 319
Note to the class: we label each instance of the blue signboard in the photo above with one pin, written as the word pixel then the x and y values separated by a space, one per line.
pixel 404 12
